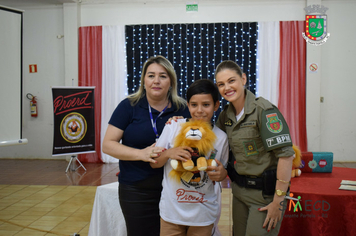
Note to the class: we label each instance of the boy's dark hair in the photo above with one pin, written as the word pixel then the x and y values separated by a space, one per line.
pixel 203 86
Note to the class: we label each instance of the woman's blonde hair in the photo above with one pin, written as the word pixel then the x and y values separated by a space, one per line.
pixel 172 92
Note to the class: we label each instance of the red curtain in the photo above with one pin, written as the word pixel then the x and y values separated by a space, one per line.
pixel 90 68
pixel 292 85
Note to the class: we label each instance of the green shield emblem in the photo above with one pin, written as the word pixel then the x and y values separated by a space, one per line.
pixel 274 124
pixel 315 26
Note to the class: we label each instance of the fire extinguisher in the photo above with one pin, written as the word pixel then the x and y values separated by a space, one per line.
pixel 33 104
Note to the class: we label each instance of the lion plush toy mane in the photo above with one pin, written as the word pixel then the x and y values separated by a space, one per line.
pixel 297 161
pixel 198 135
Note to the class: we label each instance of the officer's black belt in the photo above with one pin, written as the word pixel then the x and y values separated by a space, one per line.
pixel 244 181
pixel 249 182
pixel 266 182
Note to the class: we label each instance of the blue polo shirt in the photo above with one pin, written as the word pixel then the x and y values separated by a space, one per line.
pixel 136 123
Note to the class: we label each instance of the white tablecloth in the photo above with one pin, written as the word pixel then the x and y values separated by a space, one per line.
pixel 106 217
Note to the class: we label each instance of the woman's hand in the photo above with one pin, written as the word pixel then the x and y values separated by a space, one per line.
pixel 274 213
pixel 150 153
pixel 174 118
pixel 217 173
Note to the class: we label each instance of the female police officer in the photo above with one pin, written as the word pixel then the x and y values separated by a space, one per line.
pixel 260 141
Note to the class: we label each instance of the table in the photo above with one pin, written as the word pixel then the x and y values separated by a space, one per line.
pixel 106 217
pixel 324 209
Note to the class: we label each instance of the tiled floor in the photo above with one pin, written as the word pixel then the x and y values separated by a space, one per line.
pixel 37 197
pixel 40 209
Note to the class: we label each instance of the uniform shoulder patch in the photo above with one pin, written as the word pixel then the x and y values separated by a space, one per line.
pixel 274 124
pixel 274 129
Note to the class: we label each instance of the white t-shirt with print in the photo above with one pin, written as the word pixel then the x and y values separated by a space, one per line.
pixel 193 203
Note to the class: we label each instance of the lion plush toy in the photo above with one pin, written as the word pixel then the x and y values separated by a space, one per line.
pixel 200 137
pixel 296 162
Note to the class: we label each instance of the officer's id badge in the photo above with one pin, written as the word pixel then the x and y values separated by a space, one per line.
pixel 274 124
pixel 250 148
pixel 228 122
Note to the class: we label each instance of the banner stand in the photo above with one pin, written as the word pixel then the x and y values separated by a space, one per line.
pixel 73 159
pixel 74 123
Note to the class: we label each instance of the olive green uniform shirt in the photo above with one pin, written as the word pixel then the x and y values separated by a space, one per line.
pixel 259 138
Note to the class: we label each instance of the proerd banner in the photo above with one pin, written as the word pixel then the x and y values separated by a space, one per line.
pixel 73 115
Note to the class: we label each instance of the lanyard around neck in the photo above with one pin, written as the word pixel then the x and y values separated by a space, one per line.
pixel 154 122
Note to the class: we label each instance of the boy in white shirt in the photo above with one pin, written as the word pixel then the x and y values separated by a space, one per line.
pixel 181 213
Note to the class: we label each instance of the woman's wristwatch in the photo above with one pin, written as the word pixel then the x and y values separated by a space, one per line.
pixel 280 193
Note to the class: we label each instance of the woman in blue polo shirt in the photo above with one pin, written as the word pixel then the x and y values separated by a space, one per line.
pixel 137 122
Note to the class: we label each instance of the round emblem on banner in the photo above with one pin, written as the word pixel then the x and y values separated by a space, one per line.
pixel 73 127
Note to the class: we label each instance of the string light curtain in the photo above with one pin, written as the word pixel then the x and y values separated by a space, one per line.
pixel 194 50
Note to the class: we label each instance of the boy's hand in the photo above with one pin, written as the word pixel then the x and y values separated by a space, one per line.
pixel 217 173
pixel 179 153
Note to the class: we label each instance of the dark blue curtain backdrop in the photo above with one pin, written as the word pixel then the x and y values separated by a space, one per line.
pixel 194 50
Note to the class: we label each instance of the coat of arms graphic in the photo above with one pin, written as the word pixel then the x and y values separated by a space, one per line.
pixel 316 25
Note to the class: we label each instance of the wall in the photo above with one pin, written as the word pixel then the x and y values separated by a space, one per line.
pixel 334 81
pixel 40 46
pixel 174 12
pixel 338 82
